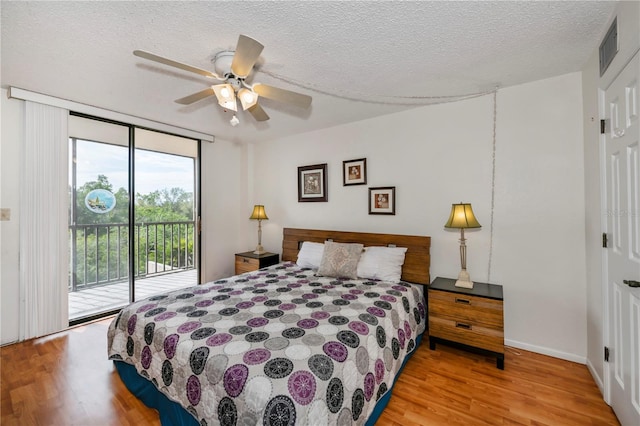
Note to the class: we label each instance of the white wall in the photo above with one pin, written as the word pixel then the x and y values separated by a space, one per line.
pixel 410 151
pixel 539 238
pixel 593 219
pixel 12 134
pixel 439 155
pixel 224 224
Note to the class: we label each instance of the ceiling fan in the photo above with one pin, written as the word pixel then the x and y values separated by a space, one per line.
pixel 233 86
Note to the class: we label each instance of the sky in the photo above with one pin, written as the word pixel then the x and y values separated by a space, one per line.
pixel 154 171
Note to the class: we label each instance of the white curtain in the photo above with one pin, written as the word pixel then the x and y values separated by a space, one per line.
pixel 44 231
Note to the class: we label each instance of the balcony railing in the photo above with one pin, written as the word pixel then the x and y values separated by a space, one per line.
pixel 100 252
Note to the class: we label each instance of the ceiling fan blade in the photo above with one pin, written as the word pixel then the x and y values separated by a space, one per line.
pixel 153 57
pixel 282 95
pixel 188 100
pixel 247 53
pixel 258 113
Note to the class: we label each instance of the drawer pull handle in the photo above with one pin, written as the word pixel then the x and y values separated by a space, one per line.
pixel 245 260
pixel 463 325
pixel 463 301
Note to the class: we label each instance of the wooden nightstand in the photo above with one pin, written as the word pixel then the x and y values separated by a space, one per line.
pixel 249 261
pixel 469 317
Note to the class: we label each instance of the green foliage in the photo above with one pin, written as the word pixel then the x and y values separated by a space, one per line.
pixel 102 245
pixel 166 205
pixel 101 254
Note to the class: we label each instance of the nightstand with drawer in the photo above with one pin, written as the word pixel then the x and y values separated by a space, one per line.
pixel 471 318
pixel 249 261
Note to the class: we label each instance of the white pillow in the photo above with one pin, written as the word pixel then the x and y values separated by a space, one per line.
pixel 382 263
pixel 310 255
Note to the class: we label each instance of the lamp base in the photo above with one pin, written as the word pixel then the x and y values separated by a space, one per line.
pixel 259 250
pixel 464 280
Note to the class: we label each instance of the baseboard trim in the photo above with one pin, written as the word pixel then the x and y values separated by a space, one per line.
pixel 596 377
pixel 546 351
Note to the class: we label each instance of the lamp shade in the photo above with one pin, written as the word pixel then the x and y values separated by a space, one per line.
pixel 258 213
pixel 462 217
pixel 247 98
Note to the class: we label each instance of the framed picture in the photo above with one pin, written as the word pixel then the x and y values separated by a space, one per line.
pixel 382 200
pixel 312 183
pixel 354 172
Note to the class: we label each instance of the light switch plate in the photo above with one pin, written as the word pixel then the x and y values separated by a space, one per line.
pixel 5 214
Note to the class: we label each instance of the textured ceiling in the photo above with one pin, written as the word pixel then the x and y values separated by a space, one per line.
pixel 82 51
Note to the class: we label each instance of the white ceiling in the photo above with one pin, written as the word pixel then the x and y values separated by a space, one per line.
pixel 82 51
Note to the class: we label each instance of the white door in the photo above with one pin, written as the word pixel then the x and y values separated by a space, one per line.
pixel 622 168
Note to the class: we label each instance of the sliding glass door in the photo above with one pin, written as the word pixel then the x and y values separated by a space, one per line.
pixel 165 249
pixel 133 214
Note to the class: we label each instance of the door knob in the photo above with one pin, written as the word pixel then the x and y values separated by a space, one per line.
pixel 631 283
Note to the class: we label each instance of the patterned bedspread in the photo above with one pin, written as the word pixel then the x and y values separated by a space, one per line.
pixel 279 346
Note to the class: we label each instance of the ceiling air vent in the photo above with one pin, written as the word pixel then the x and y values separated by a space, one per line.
pixel 609 47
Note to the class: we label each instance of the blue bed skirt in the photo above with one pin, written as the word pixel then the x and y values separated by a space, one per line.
pixel 384 400
pixel 173 414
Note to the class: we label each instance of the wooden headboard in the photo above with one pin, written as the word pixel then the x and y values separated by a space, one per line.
pixel 416 262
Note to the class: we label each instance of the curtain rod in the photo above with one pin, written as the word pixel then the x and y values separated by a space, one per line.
pixel 26 95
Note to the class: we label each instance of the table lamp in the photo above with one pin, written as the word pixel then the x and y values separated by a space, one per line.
pixel 462 217
pixel 259 215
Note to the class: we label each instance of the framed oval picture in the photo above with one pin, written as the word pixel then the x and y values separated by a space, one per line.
pixel 100 201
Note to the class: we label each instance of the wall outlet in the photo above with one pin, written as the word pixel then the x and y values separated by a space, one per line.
pixel 5 214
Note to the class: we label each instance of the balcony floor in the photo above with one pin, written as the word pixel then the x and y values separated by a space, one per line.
pixel 92 301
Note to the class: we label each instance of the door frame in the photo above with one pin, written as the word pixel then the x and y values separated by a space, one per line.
pixel 606 370
pixel 197 202
pixel 606 285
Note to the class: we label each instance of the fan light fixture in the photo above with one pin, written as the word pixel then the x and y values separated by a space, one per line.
pixel 248 98
pixel 226 96
pixel 232 68
pixel 462 217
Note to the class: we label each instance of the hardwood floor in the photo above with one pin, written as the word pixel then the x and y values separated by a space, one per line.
pixel 450 386
pixel 66 379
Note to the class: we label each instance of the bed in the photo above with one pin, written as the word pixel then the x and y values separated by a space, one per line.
pixel 279 346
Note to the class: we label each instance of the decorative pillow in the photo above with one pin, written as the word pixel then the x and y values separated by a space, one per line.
pixel 310 255
pixel 340 260
pixel 382 263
